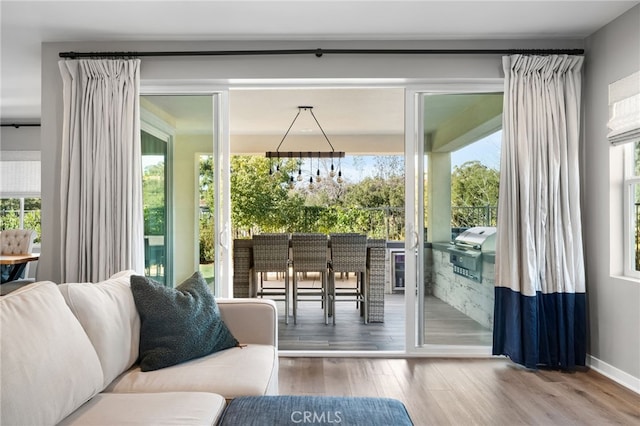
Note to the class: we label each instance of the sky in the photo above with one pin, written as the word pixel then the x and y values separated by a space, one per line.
pixel 486 150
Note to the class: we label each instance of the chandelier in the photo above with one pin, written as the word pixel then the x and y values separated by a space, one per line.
pixel 300 155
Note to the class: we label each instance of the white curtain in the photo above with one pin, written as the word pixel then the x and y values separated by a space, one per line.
pixel 540 311
pixel 101 174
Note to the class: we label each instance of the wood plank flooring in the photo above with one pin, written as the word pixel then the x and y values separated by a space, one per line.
pixel 467 391
pixel 349 334
pixel 444 325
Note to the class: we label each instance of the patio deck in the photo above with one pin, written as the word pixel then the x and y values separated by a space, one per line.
pixel 445 325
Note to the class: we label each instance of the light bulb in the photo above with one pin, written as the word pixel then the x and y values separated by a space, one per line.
pixel 318 178
pixel 339 180
pixel 332 173
pixel 291 183
pixel 299 178
pixel 311 185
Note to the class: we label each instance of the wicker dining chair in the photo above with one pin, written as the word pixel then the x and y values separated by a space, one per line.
pixel 271 254
pixel 348 254
pixel 309 254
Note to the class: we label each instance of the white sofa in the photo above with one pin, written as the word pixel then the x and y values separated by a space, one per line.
pixel 68 354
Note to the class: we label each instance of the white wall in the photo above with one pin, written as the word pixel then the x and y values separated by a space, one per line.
pixel 25 138
pixel 614 302
pixel 185 194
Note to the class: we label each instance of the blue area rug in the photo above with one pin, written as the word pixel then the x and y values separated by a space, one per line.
pixel 315 410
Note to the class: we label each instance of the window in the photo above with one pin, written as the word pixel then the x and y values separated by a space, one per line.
pixel 632 209
pixel 20 192
pixel 624 126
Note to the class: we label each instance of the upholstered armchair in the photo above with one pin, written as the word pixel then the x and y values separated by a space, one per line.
pixel 17 241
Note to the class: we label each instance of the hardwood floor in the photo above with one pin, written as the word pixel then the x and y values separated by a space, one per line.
pixel 467 391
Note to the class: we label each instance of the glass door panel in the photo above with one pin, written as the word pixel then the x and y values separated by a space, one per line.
pixel 460 167
pixel 178 152
pixel 206 217
pixel 155 203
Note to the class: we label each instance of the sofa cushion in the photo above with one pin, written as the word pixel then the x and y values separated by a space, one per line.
pixel 178 324
pixel 108 315
pixel 248 370
pixel 49 367
pixel 171 408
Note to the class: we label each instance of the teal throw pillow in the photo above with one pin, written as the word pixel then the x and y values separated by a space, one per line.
pixel 178 324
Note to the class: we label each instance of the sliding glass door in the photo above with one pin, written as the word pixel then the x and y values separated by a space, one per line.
pixel 452 155
pixel 441 123
pixel 185 185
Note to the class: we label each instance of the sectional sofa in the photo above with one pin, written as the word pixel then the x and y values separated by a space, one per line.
pixel 68 355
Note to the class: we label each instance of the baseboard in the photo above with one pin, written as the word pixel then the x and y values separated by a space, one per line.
pixel 615 374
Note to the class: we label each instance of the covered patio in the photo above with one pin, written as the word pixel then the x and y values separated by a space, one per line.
pixel 444 325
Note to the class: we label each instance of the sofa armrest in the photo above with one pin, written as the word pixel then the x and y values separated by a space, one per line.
pixel 251 320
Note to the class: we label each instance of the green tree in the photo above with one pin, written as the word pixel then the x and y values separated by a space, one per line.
pixel 10 214
pixel 206 221
pixel 375 205
pixel 473 184
pixel 260 199
pixel 153 190
pixel 385 189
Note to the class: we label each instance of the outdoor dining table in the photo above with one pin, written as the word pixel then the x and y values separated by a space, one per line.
pixel 18 263
pixel 376 250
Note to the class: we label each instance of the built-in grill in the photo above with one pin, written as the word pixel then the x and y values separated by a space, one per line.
pixel 466 251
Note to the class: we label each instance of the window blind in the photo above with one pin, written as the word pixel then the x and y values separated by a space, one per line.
pixel 20 174
pixel 624 110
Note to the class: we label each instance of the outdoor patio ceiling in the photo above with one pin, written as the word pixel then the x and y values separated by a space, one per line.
pixel 362 121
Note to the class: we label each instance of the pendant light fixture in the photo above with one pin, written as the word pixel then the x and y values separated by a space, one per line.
pixel 332 153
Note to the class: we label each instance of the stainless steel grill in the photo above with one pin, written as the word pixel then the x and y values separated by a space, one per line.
pixel 466 253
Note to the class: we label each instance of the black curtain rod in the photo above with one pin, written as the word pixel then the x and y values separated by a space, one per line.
pixel 18 125
pixel 320 52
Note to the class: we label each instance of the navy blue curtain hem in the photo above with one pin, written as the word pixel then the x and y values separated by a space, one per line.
pixel 546 330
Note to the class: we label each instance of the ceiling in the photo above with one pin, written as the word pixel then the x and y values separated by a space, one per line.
pixel 26 24
pixel 357 120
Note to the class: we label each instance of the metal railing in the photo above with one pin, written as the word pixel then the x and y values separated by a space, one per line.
pixel 467 217
pixel 377 222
